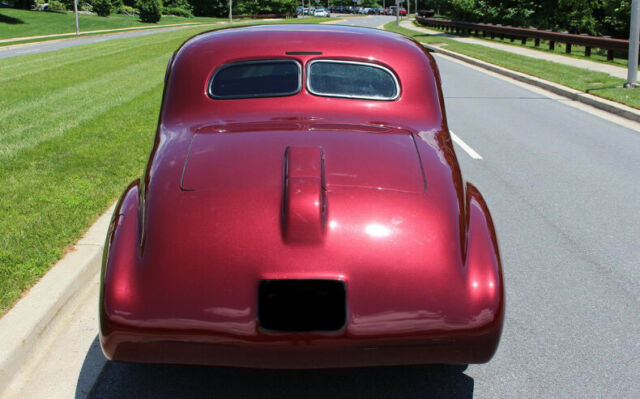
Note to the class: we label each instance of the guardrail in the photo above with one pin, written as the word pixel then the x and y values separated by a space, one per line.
pixel 511 32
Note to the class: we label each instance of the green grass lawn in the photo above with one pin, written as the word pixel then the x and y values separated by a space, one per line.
pixel 76 126
pixel 20 23
pixel 597 83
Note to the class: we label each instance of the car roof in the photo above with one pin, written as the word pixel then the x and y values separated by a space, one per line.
pixel 290 37
pixel 197 60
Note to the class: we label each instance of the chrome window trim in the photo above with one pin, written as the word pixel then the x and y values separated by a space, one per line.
pixel 369 64
pixel 265 61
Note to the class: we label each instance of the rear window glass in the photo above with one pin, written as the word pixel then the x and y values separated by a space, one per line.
pixel 270 78
pixel 352 80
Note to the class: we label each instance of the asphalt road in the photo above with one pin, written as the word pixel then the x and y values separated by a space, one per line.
pixel 371 21
pixel 562 185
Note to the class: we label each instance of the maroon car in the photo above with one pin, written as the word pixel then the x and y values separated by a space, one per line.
pixel 302 208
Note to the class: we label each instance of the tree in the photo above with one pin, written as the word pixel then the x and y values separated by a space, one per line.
pixel 596 17
pixel 256 7
pixel 102 7
pixel 24 4
pixel 578 16
pixel 465 10
pixel 150 10
pixel 617 15
pixel 184 4
pixel 210 8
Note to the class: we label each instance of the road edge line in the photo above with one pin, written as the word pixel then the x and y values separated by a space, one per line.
pixel 29 320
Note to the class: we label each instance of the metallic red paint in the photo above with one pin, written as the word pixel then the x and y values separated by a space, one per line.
pixel 301 187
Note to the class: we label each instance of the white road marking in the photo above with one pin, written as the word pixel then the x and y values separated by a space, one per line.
pixel 472 153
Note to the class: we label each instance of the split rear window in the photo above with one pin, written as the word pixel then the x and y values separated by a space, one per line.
pixel 351 80
pixel 271 78
pixel 329 78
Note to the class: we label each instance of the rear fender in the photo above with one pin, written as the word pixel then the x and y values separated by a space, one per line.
pixel 117 286
pixel 483 271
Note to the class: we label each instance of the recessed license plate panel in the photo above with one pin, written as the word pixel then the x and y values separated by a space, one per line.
pixel 289 305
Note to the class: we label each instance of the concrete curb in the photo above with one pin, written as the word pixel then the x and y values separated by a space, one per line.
pixel 29 320
pixel 589 99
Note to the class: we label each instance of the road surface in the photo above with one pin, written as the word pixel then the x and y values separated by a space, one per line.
pixel 562 185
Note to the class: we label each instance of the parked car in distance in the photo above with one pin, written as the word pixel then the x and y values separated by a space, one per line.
pixel 302 207
pixel 321 12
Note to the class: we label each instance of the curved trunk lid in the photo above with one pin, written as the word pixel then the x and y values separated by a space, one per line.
pixel 381 161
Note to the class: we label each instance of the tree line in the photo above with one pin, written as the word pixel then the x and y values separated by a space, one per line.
pixel 185 8
pixel 594 17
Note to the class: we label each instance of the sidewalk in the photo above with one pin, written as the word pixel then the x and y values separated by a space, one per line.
pixel 612 70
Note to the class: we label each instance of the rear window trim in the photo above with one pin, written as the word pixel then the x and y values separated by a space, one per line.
pixel 265 95
pixel 351 96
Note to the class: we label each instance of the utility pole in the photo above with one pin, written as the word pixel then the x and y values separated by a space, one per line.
pixel 397 12
pixel 634 38
pixel 75 10
pixel 230 14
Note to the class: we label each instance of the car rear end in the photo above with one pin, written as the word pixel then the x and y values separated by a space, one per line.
pixel 295 250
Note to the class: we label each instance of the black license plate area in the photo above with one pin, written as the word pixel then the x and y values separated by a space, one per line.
pixel 302 305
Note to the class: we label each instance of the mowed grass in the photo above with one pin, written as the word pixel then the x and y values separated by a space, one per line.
pixel 596 83
pixel 76 126
pixel 21 23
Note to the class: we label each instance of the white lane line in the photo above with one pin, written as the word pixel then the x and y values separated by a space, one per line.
pixel 472 153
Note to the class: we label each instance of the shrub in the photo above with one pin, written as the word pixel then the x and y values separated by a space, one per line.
pixel 208 8
pixel 178 12
pixel 102 7
pixel 184 4
pixel 127 10
pixel 85 7
pixel 149 10
pixel 69 4
pixel 116 5
pixel 55 5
